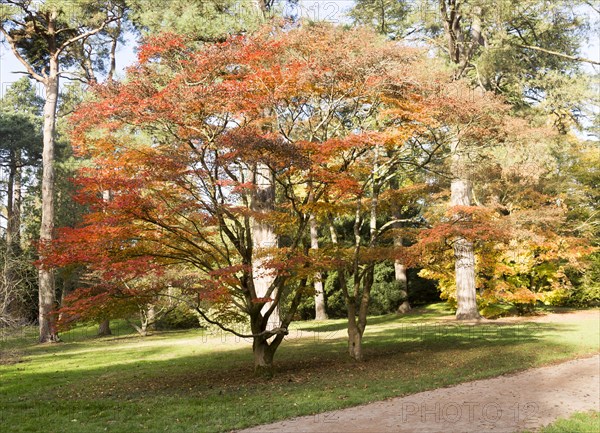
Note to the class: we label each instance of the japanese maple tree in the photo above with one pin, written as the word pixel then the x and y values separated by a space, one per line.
pixel 196 137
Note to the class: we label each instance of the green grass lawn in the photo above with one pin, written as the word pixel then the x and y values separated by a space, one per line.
pixel 583 422
pixel 192 381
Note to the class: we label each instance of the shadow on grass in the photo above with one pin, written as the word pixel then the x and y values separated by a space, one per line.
pixel 300 356
pixel 416 315
pixel 215 390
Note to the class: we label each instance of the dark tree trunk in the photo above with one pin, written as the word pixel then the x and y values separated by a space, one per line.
pixel 14 304
pixel 104 328
pixel 47 295
pixel 263 358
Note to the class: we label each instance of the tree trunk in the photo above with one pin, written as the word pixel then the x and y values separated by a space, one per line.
pixel 13 303
pixel 16 205
pixel 354 333
pixel 464 254
pixel 399 267
pixel 402 281
pixel 354 341
pixel 151 317
pixel 464 266
pixel 401 278
pixel 147 319
pixel 141 330
pixel 104 328
pixel 47 295
pixel 263 237
pixel 320 312
pixel 461 54
pixel 358 303
pixel 263 358
pixel 10 206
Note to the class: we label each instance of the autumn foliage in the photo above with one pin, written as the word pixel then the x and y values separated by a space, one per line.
pixel 202 144
pixel 174 154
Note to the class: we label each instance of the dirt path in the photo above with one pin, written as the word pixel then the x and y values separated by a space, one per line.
pixel 505 404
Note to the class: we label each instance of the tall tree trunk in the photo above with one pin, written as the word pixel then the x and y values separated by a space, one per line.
pixel 399 267
pixel 113 53
pixel 104 328
pixel 10 207
pixel 44 28
pixel 401 280
pixel 263 237
pixel 461 54
pixel 47 295
pixel 320 312
pixel 16 205
pixel 14 307
pixel 464 253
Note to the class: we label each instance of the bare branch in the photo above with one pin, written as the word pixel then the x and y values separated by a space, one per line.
pixel 84 36
pixel 563 55
pixel 589 3
pixel 269 333
pixel 13 46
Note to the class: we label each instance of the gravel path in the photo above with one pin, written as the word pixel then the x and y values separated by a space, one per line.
pixel 505 404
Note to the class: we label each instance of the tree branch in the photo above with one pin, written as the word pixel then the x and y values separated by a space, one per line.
pixel 589 3
pixel 563 55
pixel 270 333
pixel 13 47
pixel 84 35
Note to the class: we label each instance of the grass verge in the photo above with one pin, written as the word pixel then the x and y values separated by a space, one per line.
pixel 192 381
pixel 582 422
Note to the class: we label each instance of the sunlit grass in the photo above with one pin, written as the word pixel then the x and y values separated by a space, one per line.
pixel 583 422
pixel 195 381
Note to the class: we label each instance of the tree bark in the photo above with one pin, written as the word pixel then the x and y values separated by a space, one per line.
pixel 464 253
pixel 47 295
pixel 151 317
pixel 402 281
pixel 461 54
pixel 44 27
pixel 10 205
pixel 263 358
pixel 263 237
pixel 355 342
pixel 320 312
pixel 104 328
pixel 354 332
pixel 464 267
pixel 13 304
pixel 13 205
pixel 399 267
pixel 113 53
pixel 358 302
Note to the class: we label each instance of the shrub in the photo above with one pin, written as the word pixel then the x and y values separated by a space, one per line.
pixel 181 317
